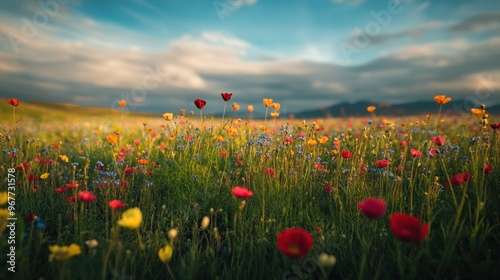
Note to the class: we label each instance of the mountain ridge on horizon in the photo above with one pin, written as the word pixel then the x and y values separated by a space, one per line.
pixel 358 108
pixel 343 109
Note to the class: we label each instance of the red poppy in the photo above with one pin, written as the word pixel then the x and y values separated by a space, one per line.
pixel 346 154
pixel 32 177
pixel 408 228
pixel 373 208
pixel 438 140
pixel 295 242
pixel 86 196
pixel 487 168
pixel 60 190
pixel 70 199
pixel 495 125
pixel 116 204
pixel 23 166
pixel 269 171
pixel 415 153
pixel 382 163
pixel 30 217
pixel 73 185
pixel 13 101
pixel 433 152
pixel 403 143
pixel 200 104
pixel 223 153
pixel 226 96
pixel 328 188
pixel 129 170
pixel 242 192
pixel 459 179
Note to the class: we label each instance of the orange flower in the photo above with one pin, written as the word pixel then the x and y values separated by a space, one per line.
pixel 142 161
pixel 276 106
pixel 477 112
pixel 323 139
pixel 311 142
pixel 274 114
pixel 250 108
pixel 112 138
pixel 236 107
pixel 267 102
pixel 441 99
pixel 371 109
pixel 122 103
pixel 13 101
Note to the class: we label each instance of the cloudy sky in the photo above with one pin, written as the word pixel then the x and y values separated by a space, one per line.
pixel 160 55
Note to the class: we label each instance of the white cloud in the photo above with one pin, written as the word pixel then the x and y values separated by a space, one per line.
pixel 333 87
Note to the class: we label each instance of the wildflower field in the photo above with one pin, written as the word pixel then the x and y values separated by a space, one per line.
pixel 189 196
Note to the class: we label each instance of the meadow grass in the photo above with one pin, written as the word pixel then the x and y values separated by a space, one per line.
pixel 189 169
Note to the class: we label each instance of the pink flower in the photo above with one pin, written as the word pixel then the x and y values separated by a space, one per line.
pixel 242 192
pixel 373 208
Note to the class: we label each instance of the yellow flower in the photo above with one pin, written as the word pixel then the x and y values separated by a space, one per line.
pixel 168 116
pixel 371 109
pixel 4 197
pixel 64 158
pixel 4 215
pixel 250 108
pixel 267 102
pixel 62 253
pixel 326 260
pixel 165 254
pixel 236 107
pixel 335 152
pixel 323 139
pixel 44 176
pixel 172 233
pixel 122 103
pixel 205 222
pixel 276 106
pixel 131 218
pixel 441 99
pixel 274 114
pixel 92 243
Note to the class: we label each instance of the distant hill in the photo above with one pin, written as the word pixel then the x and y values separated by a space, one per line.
pixel 386 109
